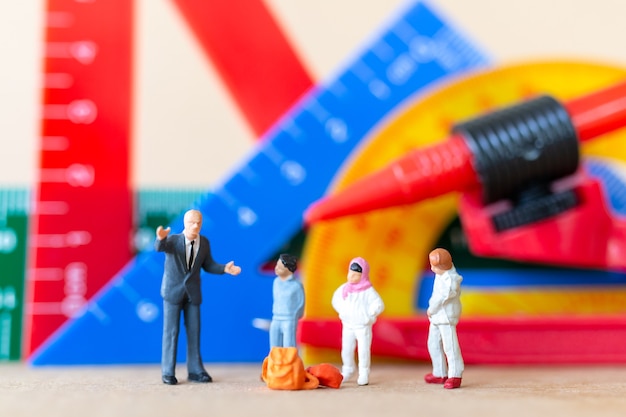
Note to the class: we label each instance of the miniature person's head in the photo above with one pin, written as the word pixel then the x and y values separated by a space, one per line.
pixel 193 224
pixel 440 260
pixel 355 272
pixel 358 277
pixel 286 265
pixel 358 270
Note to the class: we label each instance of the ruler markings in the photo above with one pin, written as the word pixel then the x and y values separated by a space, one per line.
pixel 59 80
pixel 46 274
pixel 59 19
pixel 54 143
pixel 51 208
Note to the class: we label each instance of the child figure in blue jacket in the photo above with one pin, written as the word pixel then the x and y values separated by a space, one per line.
pixel 288 306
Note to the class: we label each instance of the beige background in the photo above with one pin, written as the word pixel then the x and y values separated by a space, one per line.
pixel 186 102
pixel 179 97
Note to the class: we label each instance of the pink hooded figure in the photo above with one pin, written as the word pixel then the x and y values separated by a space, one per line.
pixel 358 305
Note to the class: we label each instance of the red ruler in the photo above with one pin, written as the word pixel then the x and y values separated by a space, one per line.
pixel 81 224
pixel 83 212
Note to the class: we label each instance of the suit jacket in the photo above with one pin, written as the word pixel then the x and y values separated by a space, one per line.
pixel 178 282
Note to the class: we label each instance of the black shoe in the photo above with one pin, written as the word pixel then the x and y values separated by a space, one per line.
pixel 169 380
pixel 203 377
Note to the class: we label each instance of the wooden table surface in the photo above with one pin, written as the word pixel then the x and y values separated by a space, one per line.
pixel 394 390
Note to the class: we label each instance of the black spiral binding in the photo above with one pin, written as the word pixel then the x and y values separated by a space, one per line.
pixel 518 152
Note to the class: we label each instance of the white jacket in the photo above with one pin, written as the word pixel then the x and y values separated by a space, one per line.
pixel 444 306
pixel 358 309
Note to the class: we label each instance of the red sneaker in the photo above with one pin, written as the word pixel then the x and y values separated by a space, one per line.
pixel 452 383
pixel 432 379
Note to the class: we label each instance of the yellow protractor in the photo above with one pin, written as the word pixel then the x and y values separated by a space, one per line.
pixel 396 241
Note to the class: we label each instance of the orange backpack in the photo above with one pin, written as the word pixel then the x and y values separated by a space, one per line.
pixel 283 369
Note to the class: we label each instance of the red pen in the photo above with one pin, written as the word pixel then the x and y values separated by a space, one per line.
pixel 451 165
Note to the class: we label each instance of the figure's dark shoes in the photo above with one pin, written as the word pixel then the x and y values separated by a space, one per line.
pixel 452 383
pixel 432 379
pixel 203 377
pixel 169 380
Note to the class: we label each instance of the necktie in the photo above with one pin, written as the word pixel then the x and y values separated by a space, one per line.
pixel 191 255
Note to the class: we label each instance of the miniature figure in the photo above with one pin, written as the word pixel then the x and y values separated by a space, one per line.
pixel 358 305
pixel 186 254
pixel 288 305
pixel 444 309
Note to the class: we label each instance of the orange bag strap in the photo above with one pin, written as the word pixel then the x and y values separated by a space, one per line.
pixel 311 381
pixel 264 369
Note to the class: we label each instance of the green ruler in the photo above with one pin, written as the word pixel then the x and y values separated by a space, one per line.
pixel 159 207
pixel 14 209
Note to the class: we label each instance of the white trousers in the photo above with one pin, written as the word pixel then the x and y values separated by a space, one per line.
pixel 444 350
pixel 350 337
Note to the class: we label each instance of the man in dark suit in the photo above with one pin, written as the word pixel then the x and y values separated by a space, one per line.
pixel 186 254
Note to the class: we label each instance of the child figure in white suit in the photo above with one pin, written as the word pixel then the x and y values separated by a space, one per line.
pixel 444 309
pixel 358 305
